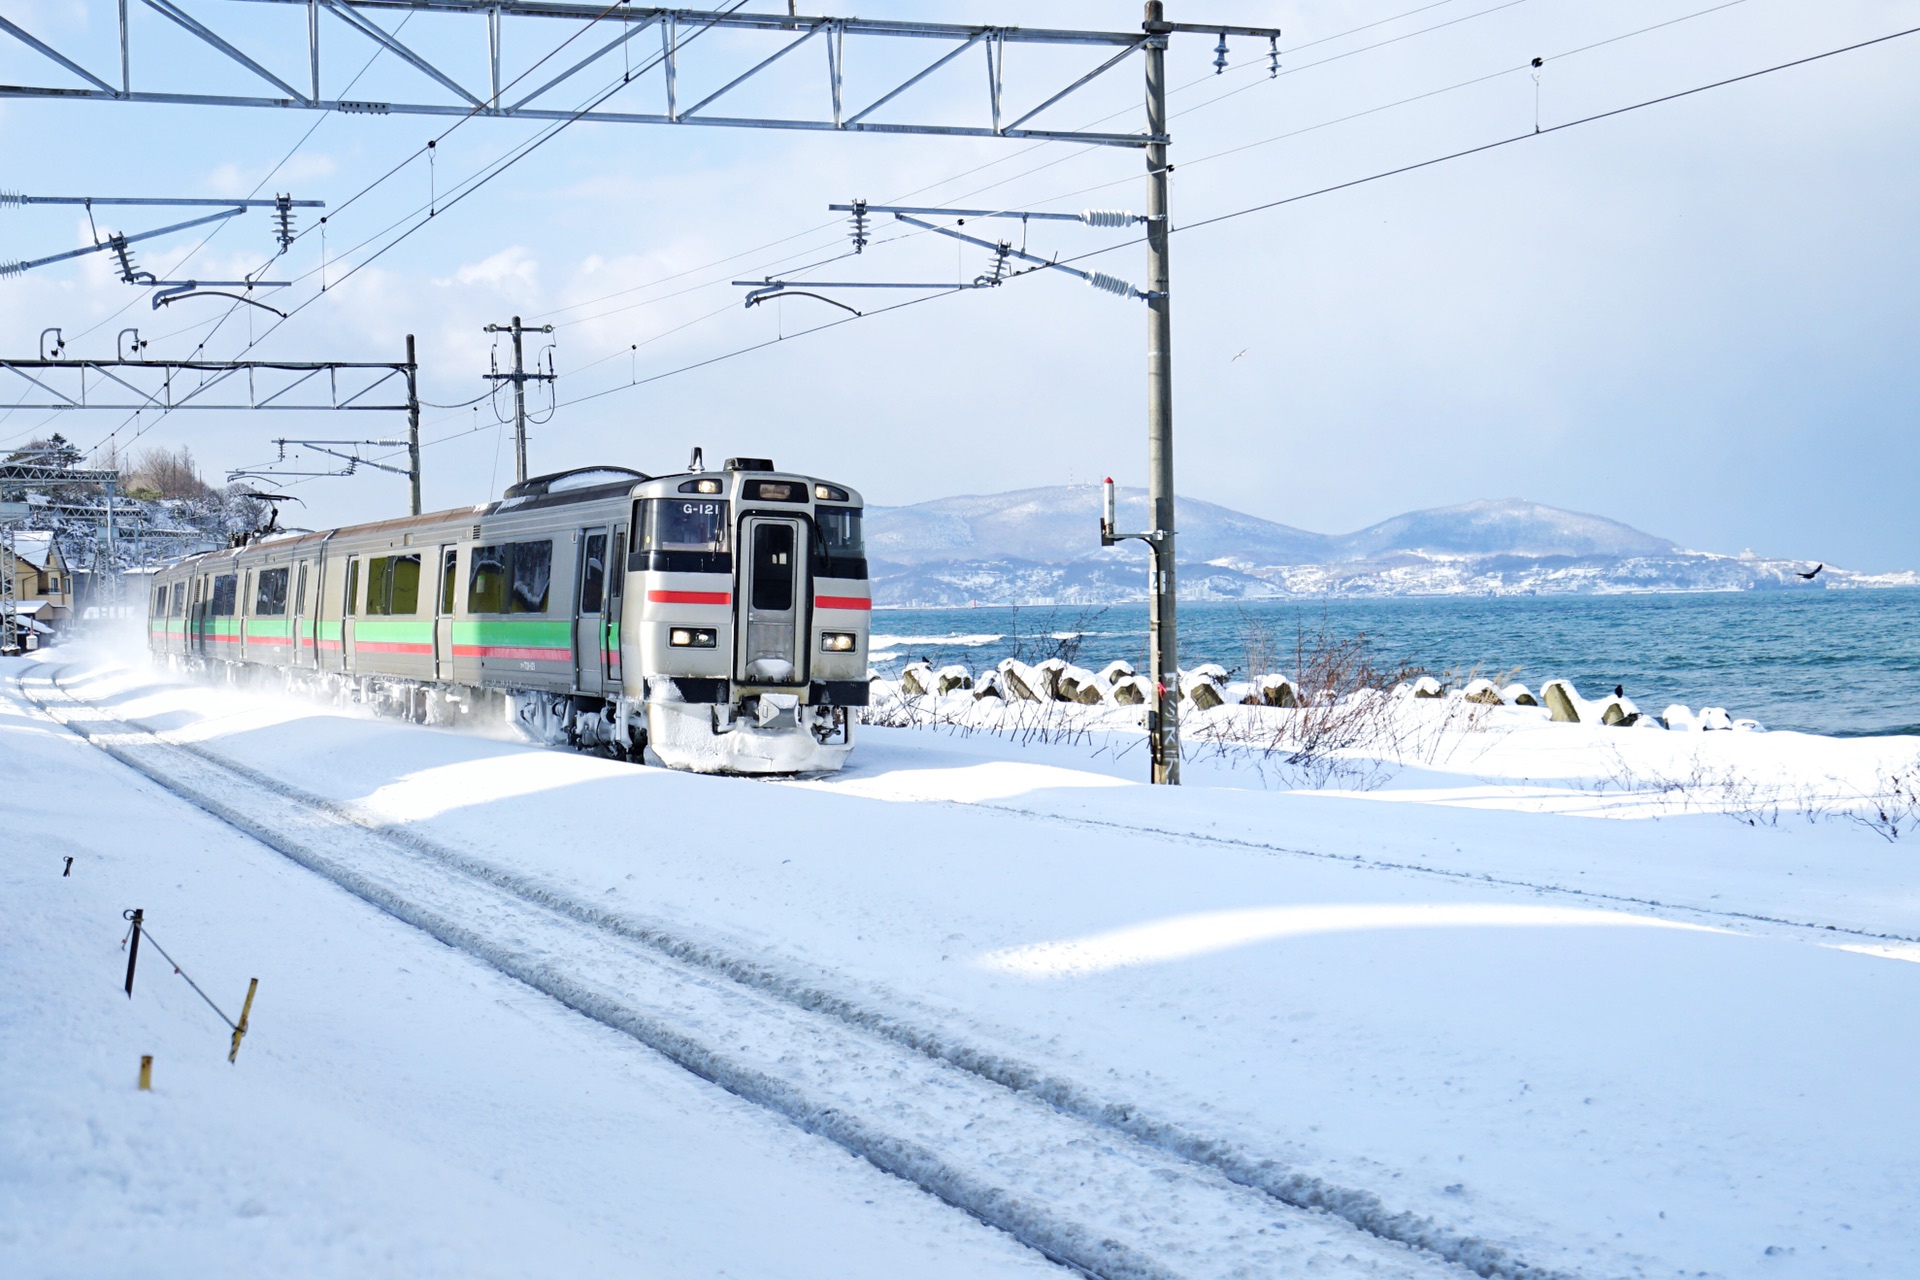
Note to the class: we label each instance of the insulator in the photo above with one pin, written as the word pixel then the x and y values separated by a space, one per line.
pixel 12 199
pixel 996 271
pixel 283 221
pixel 11 269
pixel 1110 284
pixel 1220 55
pixel 857 225
pixel 1107 218
pixel 1273 56
pixel 124 253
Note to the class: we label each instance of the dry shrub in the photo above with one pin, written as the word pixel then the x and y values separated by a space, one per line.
pixel 1889 808
pixel 1346 727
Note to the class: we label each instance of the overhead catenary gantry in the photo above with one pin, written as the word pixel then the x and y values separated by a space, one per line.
pixel 139 385
pixel 617 30
pixel 448 91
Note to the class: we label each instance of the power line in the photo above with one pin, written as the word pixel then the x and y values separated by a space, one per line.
pixel 471 184
pixel 1550 129
pixel 1274 204
pixel 1008 159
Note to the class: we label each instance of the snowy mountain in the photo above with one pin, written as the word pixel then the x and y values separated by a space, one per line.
pixel 1042 545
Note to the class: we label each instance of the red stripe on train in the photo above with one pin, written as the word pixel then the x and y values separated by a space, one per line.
pixel 842 602
pixel 509 651
pixel 689 597
pixel 390 646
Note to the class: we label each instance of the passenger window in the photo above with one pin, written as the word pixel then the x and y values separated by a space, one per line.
pixel 352 605
pixel 270 593
pixel 532 574
pixel 393 585
pixel 487 580
pixel 773 567
pixel 593 573
pixel 449 562
pixel 179 599
pixel 510 577
pixel 224 590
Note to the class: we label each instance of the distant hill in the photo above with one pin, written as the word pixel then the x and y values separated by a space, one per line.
pixel 1042 546
pixel 1062 523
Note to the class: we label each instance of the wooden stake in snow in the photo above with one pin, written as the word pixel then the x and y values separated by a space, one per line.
pixel 146 1073
pixel 240 1028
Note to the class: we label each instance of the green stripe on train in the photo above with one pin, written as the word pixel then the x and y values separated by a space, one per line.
pixel 530 633
pixel 393 631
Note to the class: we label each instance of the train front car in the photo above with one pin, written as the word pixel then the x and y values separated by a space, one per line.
pixel 748 603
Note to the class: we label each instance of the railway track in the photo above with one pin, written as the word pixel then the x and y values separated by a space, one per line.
pixel 1096 1184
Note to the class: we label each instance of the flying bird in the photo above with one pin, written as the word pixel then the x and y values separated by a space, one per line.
pixel 1809 576
pixel 1243 351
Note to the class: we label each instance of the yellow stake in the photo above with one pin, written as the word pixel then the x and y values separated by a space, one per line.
pixel 146 1072
pixel 241 1029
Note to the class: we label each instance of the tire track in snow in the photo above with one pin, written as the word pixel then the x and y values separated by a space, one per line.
pixel 1084 1182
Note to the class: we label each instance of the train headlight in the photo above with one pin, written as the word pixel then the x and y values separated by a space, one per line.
pixel 692 637
pixel 837 641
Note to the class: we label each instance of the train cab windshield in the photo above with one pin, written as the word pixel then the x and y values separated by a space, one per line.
pixel 687 534
pixel 840 551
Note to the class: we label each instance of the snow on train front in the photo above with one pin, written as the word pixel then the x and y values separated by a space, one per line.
pixel 748 608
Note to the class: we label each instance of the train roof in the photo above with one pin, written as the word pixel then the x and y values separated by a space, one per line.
pixel 556 489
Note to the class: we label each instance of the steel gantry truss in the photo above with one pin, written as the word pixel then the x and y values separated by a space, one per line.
pixel 167 386
pixel 443 90
pixel 605 31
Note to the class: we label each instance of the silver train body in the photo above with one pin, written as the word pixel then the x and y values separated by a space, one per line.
pixel 716 618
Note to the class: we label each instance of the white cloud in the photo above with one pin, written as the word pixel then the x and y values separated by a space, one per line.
pixel 513 271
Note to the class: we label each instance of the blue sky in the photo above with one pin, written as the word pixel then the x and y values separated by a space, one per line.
pixel 1699 318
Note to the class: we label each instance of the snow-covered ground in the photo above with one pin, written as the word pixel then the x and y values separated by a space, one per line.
pixel 1593 1001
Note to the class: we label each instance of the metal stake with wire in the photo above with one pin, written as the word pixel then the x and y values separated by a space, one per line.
pixel 137 929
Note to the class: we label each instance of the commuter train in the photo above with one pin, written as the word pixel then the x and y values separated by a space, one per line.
pixel 718 619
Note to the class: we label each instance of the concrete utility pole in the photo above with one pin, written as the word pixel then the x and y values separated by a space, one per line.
pixel 413 426
pixel 519 377
pixel 1162 628
pixel 9 614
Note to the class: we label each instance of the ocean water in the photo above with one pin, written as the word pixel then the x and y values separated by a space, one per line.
pixel 1834 662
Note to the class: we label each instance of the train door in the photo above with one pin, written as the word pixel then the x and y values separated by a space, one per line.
pixel 610 611
pixel 349 605
pixel 242 610
pixel 590 624
pixel 772 632
pixel 297 632
pixel 443 613
pixel 197 616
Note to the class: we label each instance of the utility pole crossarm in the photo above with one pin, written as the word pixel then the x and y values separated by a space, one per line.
pixel 519 377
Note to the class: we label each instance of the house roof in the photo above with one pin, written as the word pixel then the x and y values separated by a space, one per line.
pixel 32 608
pixel 33 546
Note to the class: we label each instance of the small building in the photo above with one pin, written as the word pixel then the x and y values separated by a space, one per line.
pixel 41 579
